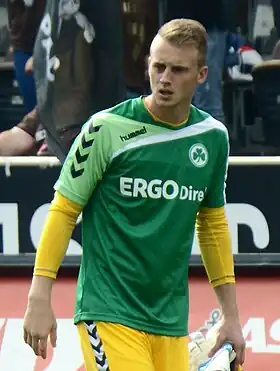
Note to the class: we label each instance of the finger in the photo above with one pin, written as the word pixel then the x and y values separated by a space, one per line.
pixel 216 347
pixel 43 345
pixel 236 363
pixel 35 344
pixel 238 368
pixel 240 355
pixel 25 335
pixel 53 336
pixel 29 340
pixel 243 354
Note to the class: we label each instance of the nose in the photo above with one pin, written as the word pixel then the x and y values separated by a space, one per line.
pixel 166 76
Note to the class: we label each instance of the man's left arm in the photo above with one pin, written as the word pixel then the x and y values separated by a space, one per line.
pixel 215 245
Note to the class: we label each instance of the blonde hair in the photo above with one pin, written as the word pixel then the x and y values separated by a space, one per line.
pixel 186 32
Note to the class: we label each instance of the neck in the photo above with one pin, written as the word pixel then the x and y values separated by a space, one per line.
pixel 173 115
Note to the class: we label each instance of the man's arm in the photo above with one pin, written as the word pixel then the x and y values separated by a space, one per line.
pixel 39 320
pixel 16 142
pixel 57 231
pixel 215 245
pixel 226 295
pixel 83 169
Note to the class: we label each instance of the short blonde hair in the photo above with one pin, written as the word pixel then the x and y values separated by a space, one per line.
pixel 186 31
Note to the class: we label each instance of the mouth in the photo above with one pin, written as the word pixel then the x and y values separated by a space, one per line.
pixel 165 93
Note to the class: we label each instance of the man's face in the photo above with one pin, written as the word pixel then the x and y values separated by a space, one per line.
pixel 174 72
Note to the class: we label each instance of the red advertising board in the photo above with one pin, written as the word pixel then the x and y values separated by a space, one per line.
pixel 259 303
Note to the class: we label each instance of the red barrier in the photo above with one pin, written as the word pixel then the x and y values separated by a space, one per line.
pixel 259 303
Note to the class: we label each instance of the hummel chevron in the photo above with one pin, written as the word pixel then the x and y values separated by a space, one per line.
pixel 82 152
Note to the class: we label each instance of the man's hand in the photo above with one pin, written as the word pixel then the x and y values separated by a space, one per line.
pixel 39 324
pixel 230 331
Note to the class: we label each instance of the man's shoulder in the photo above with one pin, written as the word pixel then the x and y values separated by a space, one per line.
pixel 204 118
pixel 123 114
pixel 125 110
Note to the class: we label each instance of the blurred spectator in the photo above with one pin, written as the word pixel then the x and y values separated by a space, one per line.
pixel 24 19
pixel 83 71
pixel 140 24
pixel 218 17
pixel 26 137
pixel 4 42
pixel 276 12
pixel 22 139
pixel 241 58
pixel 4 31
pixel 276 51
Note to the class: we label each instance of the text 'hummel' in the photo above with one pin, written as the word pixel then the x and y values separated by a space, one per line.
pixel 134 134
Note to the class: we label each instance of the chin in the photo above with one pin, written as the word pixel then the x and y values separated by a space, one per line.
pixel 165 102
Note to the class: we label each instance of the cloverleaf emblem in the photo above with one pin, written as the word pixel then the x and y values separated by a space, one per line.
pixel 198 155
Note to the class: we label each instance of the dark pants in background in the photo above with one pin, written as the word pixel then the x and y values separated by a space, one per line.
pixel 25 81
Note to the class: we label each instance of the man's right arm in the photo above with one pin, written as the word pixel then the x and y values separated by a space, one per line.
pixel 39 319
pixel 84 167
pixel 81 172
pixel 57 231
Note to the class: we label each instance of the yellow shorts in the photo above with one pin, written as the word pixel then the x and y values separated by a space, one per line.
pixel 113 347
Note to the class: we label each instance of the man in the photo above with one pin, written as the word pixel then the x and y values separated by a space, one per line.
pixel 141 172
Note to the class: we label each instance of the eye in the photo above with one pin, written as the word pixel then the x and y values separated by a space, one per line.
pixel 160 67
pixel 179 69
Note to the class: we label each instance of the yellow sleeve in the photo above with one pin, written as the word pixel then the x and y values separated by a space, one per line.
pixel 57 231
pixel 215 245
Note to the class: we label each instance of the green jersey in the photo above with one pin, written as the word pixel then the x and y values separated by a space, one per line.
pixel 141 183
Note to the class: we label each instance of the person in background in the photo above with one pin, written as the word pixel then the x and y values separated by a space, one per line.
pixel 276 12
pixel 24 17
pixel 27 136
pixel 140 23
pixel 22 139
pixel 276 51
pixel 83 71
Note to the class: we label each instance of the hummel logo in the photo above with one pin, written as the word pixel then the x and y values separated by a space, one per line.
pixel 83 150
pixel 134 134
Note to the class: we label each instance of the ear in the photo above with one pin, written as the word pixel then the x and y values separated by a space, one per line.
pixel 202 75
